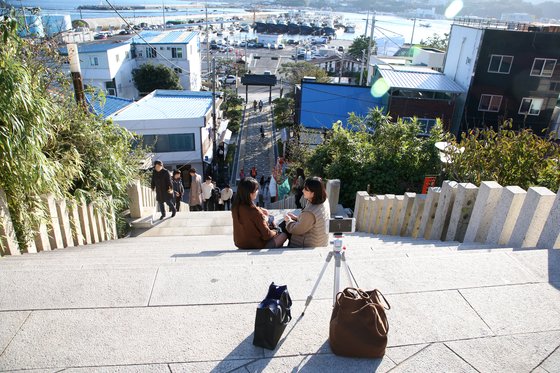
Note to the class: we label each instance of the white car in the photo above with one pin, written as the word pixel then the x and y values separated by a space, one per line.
pixel 280 46
pixel 230 79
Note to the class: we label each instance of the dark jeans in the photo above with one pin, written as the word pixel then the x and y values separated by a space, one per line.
pixel 299 194
pixel 227 205
pixel 208 205
pixel 195 208
pixel 178 203
pixel 169 203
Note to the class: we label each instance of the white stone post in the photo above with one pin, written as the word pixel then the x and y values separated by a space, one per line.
pixel 64 220
pixel 134 192
pixel 429 213
pixel 443 212
pixel 550 236
pixel 333 192
pixel 92 224
pixel 507 213
pixel 75 224
pixel 9 244
pixel 416 216
pixel 461 213
pixel 99 220
pixel 386 213
pixel 363 215
pixel 377 215
pixel 534 212
pixel 42 242
pixel 406 211
pixel 359 209
pixel 395 215
pixel 489 194
pixel 369 220
pixel 112 223
pixel 84 222
pixel 53 225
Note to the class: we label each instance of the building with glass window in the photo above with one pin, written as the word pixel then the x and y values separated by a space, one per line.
pixel 177 125
pixel 509 71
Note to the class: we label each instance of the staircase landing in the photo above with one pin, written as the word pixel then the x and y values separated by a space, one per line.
pixel 187 304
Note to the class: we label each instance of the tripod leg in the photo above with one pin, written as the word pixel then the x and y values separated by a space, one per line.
pixel 349 271
pixel 336 285
pixel 310 296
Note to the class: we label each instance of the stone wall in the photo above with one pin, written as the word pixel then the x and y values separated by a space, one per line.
pixel 489 214
pixel 67 224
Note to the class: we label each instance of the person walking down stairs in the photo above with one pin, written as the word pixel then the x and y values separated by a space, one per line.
pixel 162 185
pixel 178 189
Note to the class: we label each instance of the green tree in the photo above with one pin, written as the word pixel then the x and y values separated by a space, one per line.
pixel 508 157
pixel 48 144
pixel 149 77
pixel 359 46
pixel 295 71
pixel 436 41
pixel 390 159
pixel 283 112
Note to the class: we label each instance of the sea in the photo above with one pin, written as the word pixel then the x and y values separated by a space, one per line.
pixel 390 30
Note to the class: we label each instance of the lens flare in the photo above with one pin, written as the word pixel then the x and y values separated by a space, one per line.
pixel 454 8
pixel 379 88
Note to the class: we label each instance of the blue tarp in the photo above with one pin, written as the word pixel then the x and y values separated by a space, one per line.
pixel 323 104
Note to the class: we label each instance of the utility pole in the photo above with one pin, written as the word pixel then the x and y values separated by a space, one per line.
pixel 413 28
pixel 76 73
pixel 163 11
pixel 370 45
pixel 207 45
pixel 214 119
pixel 362 69
pixel 367 23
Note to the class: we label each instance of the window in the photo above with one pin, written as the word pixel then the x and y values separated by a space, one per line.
pixel 94 61
pixel 555 86
pixel 126 55
pixel 490 103
pixel 500 64
pixel 151 53
pixel 178 70
pixel 531 106
pixel 181 142
pixel 543 67
pixel 176 52
pixel 426 124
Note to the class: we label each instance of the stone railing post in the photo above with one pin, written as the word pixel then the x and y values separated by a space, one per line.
pixel 386 213
pixel 461 213
pixel 134 192
pixel 429 213
pixel 393 228
pixel 376 214
pixel 359 209
pixel 550 236
pixel 9 244
pixel 53 226
pixel 84 222
pixel 64 220
pixel 507 213
pixel 75 224
pixel 535 210
pixel 333 192
pixel 406 212
pixel 443 212
pixel 416 216
pixel 92 223
pixel 489 194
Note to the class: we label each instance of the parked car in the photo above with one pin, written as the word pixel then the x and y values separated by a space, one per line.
pixel 340 48
pixel 251 45
pixel 230 79
pixel 280 46
pixel 100 36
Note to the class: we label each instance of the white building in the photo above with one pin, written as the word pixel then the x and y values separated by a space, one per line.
pixel 178 124
pixel 108 66
pixel 179 50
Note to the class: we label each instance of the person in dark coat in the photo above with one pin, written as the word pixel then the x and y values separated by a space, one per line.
pixel 178 189
pixel 163 186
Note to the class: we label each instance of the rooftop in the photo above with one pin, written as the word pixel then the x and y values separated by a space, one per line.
pixel 418 78
pixel 484 23
pixel 107 106
pixel 167 104
pixel 99 45
pixel 165 37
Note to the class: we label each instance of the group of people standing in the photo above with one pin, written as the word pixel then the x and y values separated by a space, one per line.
pixel 202 196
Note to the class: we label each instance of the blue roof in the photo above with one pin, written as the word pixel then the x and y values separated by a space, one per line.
pixel 165 37
pixel 323 104
pixel 111 105
pixel 167 104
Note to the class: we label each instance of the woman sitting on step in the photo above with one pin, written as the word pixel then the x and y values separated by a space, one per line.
pixel 309 228
pixel 251 227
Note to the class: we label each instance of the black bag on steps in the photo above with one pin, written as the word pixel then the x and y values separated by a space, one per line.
pixel 273 315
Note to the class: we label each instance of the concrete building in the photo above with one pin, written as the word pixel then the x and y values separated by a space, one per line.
pixel 179 50
pixel 508 70
pixel 176 124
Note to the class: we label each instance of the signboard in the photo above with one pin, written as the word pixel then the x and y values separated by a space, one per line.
pixel 429 182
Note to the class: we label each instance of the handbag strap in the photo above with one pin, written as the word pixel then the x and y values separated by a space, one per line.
pixel 377 316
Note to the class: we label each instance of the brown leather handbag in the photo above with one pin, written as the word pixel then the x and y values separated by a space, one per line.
pixel 359 325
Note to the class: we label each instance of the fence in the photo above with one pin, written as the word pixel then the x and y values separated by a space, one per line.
pixel 142 200
pixel 490 214
pixel 67 224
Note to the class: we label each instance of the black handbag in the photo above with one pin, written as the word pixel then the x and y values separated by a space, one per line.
pixel 273 315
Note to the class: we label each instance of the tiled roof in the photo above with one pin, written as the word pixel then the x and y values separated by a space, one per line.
pixel 165 37
pixel 423 80
pixel 111 105
pixel 167 104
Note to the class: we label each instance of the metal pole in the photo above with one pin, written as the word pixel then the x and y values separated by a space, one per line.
pixel 214 119
pixel 163 11
pixel 370 45
pixel 362 69
pixel 413 28
pixel 367 23
pixel 207 45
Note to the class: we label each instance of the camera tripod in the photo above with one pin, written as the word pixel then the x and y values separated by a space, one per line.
pixel 338 252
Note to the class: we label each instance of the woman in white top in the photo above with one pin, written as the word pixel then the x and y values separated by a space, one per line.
pixel 225 196
pixel 207 188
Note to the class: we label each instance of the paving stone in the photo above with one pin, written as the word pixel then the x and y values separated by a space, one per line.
pixel 75 288
pixel 544 263
pixel 320 363
pixel 222 366
pixel 10 322
pixel 516 353
pixel 518 308
pixel 155 368
pixel 552 363
pixel 431 317
pixel 124 336
pixel 400 353
pixel 434 358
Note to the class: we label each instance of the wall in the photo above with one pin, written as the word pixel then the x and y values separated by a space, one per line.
pixel 422 108
pixel 487 214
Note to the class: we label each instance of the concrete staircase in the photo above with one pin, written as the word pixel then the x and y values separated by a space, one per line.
pixel 179 297
pixel 185 223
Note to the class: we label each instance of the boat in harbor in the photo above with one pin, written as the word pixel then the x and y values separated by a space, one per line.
pixel 328 28
pixel 293 27
pixel 425 24
pixel 350 28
